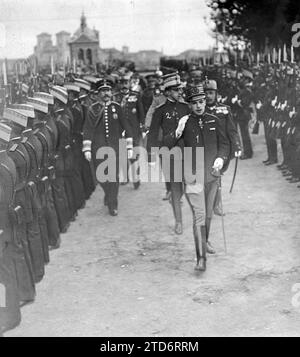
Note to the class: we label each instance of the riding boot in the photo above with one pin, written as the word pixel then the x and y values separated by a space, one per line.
pixel 200 245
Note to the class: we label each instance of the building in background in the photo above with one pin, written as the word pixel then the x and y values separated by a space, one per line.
pixel 84 45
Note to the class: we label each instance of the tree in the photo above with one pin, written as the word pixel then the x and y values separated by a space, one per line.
pixel 263 23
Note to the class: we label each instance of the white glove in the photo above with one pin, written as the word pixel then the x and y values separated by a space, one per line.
pixel 258 105
pixel 274 101
pixel 224 99
pixel 129 154
pixel 283 105
pixel 234 99
pixel 181 126
pixel 239 102
pixel 218 164
pixel 292 113
pixel 238 153
pixel 144 135
pixel 88 155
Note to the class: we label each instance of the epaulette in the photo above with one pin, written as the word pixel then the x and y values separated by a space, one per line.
pixel 59 110
pixel 160 105
pixel 95 104
pixel 211 115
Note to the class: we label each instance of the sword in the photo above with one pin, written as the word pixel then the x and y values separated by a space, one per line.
pixel 221 206
pixel 234 174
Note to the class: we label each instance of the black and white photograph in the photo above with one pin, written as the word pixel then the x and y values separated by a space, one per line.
pixel 150 170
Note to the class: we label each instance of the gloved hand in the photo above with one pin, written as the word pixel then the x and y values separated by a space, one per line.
pixel 258 105
pixel 283 105
pixel 181 126
pixel 129 154
pixel 238 153
pixel 88 155
pixel 292 113
pixel 274 101
pixel 234 99
pixel 218 164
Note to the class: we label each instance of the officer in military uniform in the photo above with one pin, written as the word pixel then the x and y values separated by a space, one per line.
pixel 103 128
pixel 242 115
pixel 165 119
pixel 223 112
pixel 201 130
pixel 133 112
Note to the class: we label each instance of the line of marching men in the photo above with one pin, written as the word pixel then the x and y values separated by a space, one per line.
pixel 44 181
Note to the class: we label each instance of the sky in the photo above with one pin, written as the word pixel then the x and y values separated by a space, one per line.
pixel 169 25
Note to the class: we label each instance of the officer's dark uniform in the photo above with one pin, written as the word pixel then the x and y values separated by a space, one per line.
pixel 103 128
pixel 166 118
pixel 134 114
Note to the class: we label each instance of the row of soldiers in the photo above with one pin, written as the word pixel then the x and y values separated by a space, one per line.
pixel 44 181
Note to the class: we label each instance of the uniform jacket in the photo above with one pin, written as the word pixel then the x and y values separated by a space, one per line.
pixel 223 112
pixel 205 131
pixel 104 125
pixel 166 118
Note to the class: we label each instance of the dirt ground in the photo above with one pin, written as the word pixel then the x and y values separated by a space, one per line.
pixel 132 276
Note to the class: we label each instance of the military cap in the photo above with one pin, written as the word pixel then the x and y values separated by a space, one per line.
pixel 210 84
pixel 38 104
pixel 105 83
pixel 25 109
pixel 16 117
pixel 195 92
pixel 81 83
pixel 70 86
pixel 44 96
pixel 5 132
pixel 171 80
pixel 59 93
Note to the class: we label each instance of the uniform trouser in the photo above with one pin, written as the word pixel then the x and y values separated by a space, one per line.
pixel 43 222
pixel 51 218
pixel 286 151
pixel 176 189
pixel 271 144
pixel 10 315
pixel 77 182
pixel 196 201
pixel 61 202
pixel 36 249
pixel 246 140
pixel 18 251
pixel 202 204
pixel 111 190
pixel 173 174
pixel 87 178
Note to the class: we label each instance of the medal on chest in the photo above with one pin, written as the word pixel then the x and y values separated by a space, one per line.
pixel 200 122
pixel 114 111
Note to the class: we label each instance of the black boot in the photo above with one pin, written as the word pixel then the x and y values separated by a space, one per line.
pixel 200 245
